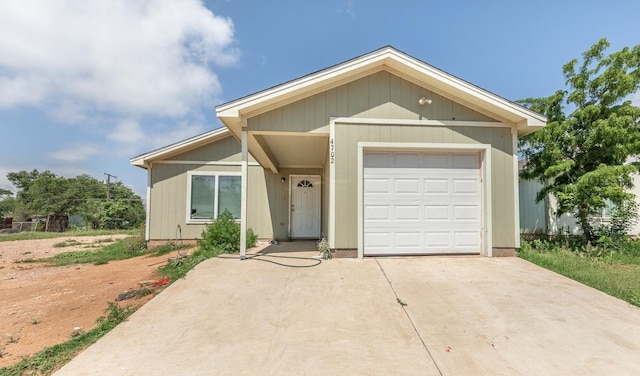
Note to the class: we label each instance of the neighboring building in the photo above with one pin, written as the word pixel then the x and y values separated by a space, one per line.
pixel 540 217
pixel 382 155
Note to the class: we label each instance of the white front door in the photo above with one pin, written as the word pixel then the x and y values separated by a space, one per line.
pixel 305 206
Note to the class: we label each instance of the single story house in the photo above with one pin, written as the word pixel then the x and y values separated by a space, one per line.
pixel 382 154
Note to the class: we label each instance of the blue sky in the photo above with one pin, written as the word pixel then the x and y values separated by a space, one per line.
pixel 84 86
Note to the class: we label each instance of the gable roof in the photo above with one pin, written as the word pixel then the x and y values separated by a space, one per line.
pixel 235 112
pixel 206 138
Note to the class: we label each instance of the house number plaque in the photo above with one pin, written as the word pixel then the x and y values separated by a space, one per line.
pixel 332 152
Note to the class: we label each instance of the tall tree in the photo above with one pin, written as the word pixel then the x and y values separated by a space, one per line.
pixel 588 156
pixel 7 202
pixel 44 193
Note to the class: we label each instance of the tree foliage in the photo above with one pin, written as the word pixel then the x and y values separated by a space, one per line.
pixel 588 156
pixel 44 193
pixel 7 202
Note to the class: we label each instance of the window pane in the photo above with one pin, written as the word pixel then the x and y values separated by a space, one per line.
pixel 202 196
pixel 229 195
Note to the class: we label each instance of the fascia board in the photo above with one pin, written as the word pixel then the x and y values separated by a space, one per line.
pixel 322 78
pixel 181 146
pixel 448 83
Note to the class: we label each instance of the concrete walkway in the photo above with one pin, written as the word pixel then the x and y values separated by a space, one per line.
pixel 459 316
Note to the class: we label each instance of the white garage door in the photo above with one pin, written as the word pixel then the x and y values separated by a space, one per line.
pixel 421 203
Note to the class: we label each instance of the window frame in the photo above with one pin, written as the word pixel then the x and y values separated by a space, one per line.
pixel 217 175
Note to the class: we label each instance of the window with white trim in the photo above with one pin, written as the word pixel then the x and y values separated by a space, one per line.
pixel 209 194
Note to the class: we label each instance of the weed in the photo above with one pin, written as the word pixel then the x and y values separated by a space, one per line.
pixel 10 339
pixel 613 272
pixel 50 359
pixel 28 261
pixel 168 248
pixel 139 293
pixel 115 313
pixel 325 251
pixel 403 304
pixel 224 234
pixel 77 332
pixel 66 243
pixel 120 250
pixel 52 235
pixel 35 321
pixel 105 240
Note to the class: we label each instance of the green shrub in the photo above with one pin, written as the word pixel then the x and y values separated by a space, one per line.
pixel 224 235
pixel 136 244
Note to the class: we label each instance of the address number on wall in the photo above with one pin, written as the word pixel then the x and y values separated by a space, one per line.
pixel 332 152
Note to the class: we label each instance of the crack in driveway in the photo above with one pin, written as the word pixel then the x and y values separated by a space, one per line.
pixel 404 309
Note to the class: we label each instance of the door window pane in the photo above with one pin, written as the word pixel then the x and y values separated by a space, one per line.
pixel 229 195
pixel 202 196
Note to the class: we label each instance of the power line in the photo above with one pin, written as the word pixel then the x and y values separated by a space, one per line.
pixel 109 176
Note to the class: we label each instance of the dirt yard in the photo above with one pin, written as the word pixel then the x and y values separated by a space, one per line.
pixel 41 306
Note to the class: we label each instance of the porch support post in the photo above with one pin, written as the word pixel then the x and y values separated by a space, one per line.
pixel 147 226
pixel 243 197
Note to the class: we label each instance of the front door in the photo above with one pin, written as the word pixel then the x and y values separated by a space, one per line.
pixel 305 206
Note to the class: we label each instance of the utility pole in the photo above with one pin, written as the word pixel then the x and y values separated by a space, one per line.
pixel 109 176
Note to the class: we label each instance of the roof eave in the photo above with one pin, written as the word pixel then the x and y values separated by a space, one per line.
pixel 144 160
pixel 232 113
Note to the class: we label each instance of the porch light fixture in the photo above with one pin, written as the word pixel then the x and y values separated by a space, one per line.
pixel 422 101
pixel 283 179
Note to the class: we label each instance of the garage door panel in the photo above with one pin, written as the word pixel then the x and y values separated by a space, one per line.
pixel 435 160
pixel 379 239
pixel 406 186
pixel 466 186
pixel 422 203
pixel 465 161
pixel 378 160
pixel 377 213
pixel 408 239
pixel 377 186
pixel 407 213
pixel 466 213
pixel 436 186
pixel 435 213
pixel 466 239
pixel 437 239
pixel 408 160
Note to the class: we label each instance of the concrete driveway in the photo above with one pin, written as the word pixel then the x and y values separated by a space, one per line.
pixel 459 316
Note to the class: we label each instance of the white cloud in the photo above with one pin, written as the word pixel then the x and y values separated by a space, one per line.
pixel 176 133
pixel 75 153
pixel 130 137
pixel 146 57
pixel 127 132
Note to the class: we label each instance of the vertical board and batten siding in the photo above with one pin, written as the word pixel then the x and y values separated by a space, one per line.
pixel 268 200
pixel 533 215
pixel 224 150
pixel 380 95
pixel 347 137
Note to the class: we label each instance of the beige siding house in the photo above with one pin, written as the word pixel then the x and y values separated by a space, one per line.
pixel 382 155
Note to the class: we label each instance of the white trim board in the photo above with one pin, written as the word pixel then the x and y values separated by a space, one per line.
pixel 485 167
pixel 433 123
pixel 332 185
pixel 206 163
pixel 516 187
